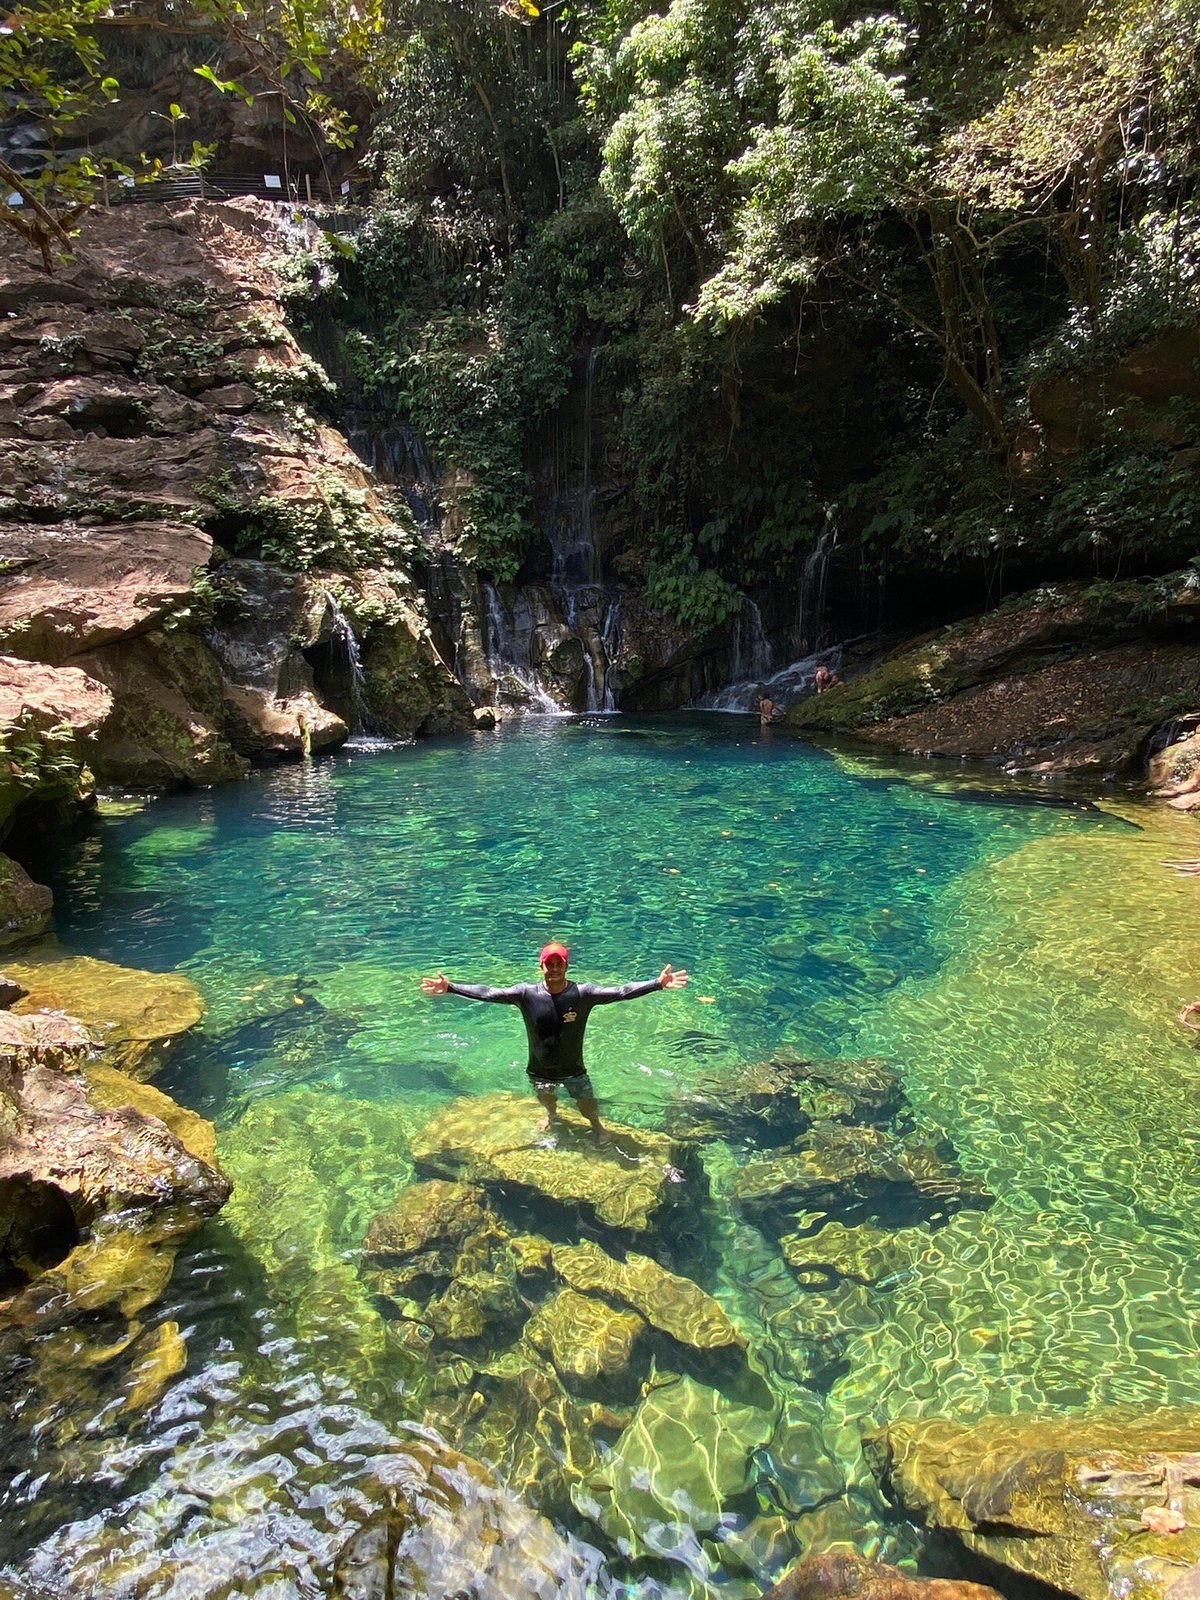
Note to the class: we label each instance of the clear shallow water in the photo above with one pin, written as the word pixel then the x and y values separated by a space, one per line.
pixel 1018 963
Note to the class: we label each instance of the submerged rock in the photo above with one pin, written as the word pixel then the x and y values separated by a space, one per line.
pixel 841 1575
pixel 448 1529
pixel 127 1012
pixel 670 1303
pixel 1070 1501
pixel 773 1102
pixel 685 1458
pixel 497 1140
pixel 585 1338
pixel 839 1168
pixel 863 1254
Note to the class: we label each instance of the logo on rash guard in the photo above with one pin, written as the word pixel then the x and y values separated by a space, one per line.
pixel 569 1016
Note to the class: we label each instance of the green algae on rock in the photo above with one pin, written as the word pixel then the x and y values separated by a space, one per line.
pixel 498 1139
pixel 670 1303
pixel 776 1101
pixel 1070 1501
pixel 685 1458
pixel 129 1013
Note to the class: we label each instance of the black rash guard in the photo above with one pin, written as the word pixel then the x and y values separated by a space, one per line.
pixel 554 1023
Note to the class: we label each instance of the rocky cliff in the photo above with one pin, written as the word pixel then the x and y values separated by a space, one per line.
pixel 195 569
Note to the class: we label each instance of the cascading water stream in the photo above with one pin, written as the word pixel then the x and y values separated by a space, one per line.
pixel 343 637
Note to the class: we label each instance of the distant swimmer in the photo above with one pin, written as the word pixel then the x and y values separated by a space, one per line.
pixel 824 679
pixel 1189 1017
pixel 555 1013
pixel 766 709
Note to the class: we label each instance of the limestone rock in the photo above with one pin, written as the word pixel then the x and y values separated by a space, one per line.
pixel 25 906
pixel 840 1575
pixel 1059 1499
pixel 69 588
pixel 496 1140
pixel 109 1090
pixel 674 1305
pixel 584 1337
pixel 127 1012
pixel 683 1459
pixel 864 1254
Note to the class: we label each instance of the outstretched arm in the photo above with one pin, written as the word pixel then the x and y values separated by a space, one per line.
pixel 471 991
pixel 668 978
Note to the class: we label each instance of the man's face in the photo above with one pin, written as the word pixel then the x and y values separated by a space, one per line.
pixel 554 970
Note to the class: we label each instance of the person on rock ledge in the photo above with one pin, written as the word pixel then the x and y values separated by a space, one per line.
pixel 555 1013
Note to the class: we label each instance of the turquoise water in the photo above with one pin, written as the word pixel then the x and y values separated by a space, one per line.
pixel 1016 961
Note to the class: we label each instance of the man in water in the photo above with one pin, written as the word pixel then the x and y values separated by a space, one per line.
pixel 555 1013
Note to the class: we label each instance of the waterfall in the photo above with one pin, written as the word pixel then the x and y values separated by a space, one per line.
pixel 610 642
pixel 810 610
pixel 749 665
pixel 512 675
pixel 342 636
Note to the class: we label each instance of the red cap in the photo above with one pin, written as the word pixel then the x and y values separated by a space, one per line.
pixel 553 949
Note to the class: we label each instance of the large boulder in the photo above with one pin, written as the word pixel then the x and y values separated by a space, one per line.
pixel 48 719
pixel 1096 1506
pixel 25 906
pixel 94 1194
pixel 498 1140
pixel 71 588
pixel 585 1337
pixel 774 1102
pixel 131 1015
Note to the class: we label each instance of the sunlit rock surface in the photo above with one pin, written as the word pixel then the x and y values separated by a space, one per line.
pixel 1080 1503
pixel 863 1253
pixel 129 1013
pixel 497 1139
pixel 72 588
pixel 48 717
pixel 89 1187
pixel 152 399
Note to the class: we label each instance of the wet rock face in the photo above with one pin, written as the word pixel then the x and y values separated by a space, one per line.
pixel 25 906
pixel 1098 1507
pixel 839 1575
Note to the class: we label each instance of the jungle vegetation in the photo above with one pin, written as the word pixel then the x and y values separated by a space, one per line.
pixel 824 259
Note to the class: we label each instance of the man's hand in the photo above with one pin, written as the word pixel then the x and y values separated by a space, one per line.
pixel 668 978
pixel 437 985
